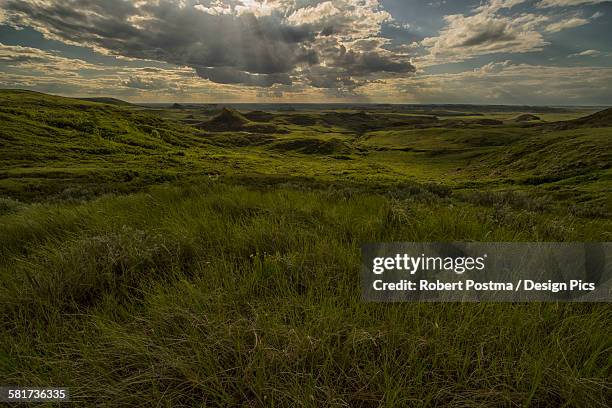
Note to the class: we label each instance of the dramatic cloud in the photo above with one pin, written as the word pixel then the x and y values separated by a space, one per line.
pixel 228 75
pixel 509 83
pixel 496 27
pixel 45 71
pixel 36 60
pixel 308 50
pixel 167 32
pixel 496 5
pixel 485 33
pixel 566 3
pixel 348 19
pixel 48 72
pixel 256 43
pixel 147 83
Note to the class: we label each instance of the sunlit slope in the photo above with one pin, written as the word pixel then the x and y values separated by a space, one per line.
pixel 72 141
pixel 536 153
pixel 35 125
pixel 549 156
pixel 54 146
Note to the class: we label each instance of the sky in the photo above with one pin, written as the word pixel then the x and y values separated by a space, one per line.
pixel 526 52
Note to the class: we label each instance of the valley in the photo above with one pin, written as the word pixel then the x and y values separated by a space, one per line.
pixel 194 255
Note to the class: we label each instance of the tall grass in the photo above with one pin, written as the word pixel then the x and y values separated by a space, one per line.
pixel 217 295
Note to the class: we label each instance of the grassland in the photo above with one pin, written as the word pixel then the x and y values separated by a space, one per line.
pixel 192 257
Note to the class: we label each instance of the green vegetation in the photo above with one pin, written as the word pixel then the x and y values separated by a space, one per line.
pixel 149 259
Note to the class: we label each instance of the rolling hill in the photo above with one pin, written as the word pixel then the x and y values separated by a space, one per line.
pixel 230 120
pixel 107 100
pixel 50 144
pixel 148 262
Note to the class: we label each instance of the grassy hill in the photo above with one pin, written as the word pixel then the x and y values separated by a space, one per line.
pixel 526 117
pixel 51 144
pixel 56 147
pixel 554 156
pixel 107 100
pixel 599 119
pixel 229 120
pixel 145 260
pixel 226 120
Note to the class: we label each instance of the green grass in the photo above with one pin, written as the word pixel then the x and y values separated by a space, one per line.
pixel 55 147
pixel 199 270
pixel 240 296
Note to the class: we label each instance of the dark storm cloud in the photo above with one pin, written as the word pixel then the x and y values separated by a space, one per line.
pixel 166 32
pixel 228 75
pixel 329 78
pixel 329 30
pixel 346 69
pixel 333 78
pixel 360 63
pixel 222 45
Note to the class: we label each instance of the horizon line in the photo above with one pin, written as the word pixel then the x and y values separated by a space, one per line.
pixel 84 97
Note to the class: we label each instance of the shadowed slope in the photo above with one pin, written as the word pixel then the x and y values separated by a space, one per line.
pixel 227 119
pixel 599 119
pixel 526 117
pixel 596 120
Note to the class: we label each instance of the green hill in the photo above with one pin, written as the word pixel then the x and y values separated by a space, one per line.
pixel 107 100
pixel 553 156
pixel 599 119
pixel 51 143
pixel 312 146
pixel 146 262
pixel 226 120
pixel 230 120
pixel 526 117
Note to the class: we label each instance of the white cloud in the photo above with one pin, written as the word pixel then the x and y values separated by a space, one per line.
pixel 36 66
pixel 346 19
pixel 586 53
pixel 233 43
pixel 37 60
pixel 495 82
pixel 567 3
pixel 216 8
pixel 493 67
pixel 494 28
pixel 496 5
pixel 508 83
pixel 320 13
pixel 565 24
pixel 465 37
